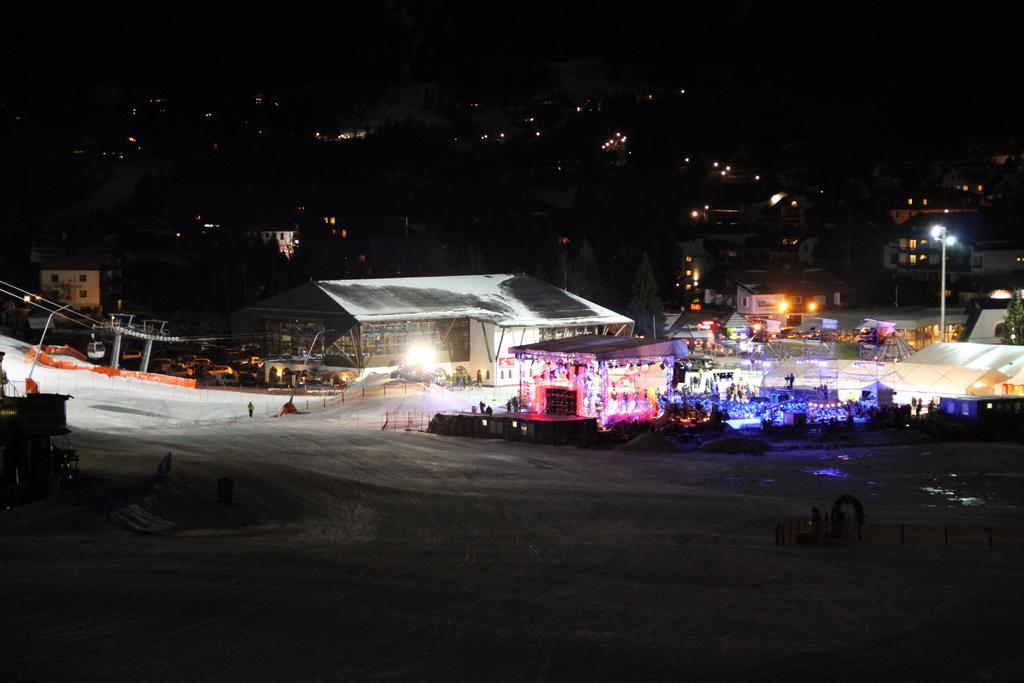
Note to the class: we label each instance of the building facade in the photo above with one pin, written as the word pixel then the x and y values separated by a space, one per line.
pixel 461 325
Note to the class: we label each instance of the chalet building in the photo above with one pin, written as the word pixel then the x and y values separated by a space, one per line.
pixel 82 271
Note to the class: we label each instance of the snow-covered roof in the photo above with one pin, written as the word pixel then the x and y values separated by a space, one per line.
pixel 504 299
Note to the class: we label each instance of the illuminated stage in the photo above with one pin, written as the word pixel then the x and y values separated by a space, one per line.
pixel 610 379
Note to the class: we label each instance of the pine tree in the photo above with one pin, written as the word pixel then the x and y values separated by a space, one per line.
pixel 585 274
pixel 646 303
pixel 1013 323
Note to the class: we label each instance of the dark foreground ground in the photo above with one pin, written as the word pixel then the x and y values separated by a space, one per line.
pixel 362 555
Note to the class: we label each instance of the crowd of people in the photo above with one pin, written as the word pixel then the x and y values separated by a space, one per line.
pixel 703 408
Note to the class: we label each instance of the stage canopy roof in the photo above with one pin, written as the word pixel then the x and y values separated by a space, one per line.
pixel 602 347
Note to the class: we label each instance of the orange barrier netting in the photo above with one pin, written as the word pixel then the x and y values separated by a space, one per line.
pixel 46 359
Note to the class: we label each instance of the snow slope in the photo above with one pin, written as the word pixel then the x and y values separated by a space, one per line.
pixel 104 403
pixel 357 554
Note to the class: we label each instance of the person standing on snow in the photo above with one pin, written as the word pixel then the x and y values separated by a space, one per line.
pixel 251 408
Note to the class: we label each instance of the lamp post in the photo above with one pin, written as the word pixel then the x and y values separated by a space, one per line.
pixel 42 338
pixel 940 233
pixel 311 346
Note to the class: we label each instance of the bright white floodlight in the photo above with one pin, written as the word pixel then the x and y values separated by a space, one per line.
pixel 419 356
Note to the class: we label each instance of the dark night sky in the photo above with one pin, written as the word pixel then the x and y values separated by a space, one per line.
pixel 875 62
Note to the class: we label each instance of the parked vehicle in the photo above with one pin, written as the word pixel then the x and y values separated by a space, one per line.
pixel 223 379
pixel 220 369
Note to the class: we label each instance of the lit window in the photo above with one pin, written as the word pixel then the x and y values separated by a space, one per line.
pixel 924 202
pixel 903 243
pixel 913 244
pixel 689 286
pixel 913 259
pixel 923 257
pixel 689 273
pixel 910 201
pixel 981 188
pixel 689 259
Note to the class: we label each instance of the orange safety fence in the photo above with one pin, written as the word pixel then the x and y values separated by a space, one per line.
pixel 65 351
pixel 46 359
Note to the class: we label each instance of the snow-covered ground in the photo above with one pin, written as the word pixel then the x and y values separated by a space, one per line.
pixel 356 553
pixel 119 403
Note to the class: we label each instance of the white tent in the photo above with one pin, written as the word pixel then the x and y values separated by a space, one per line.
pixel 947 369
pixel 880 393
pixel 952 369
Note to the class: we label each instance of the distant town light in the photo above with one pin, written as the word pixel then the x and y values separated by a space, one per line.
pixel 783 306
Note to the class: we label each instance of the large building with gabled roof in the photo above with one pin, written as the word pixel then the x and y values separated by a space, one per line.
pixel 450 322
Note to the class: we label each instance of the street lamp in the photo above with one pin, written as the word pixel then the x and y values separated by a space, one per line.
pixel 940 233
pixel 39 349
